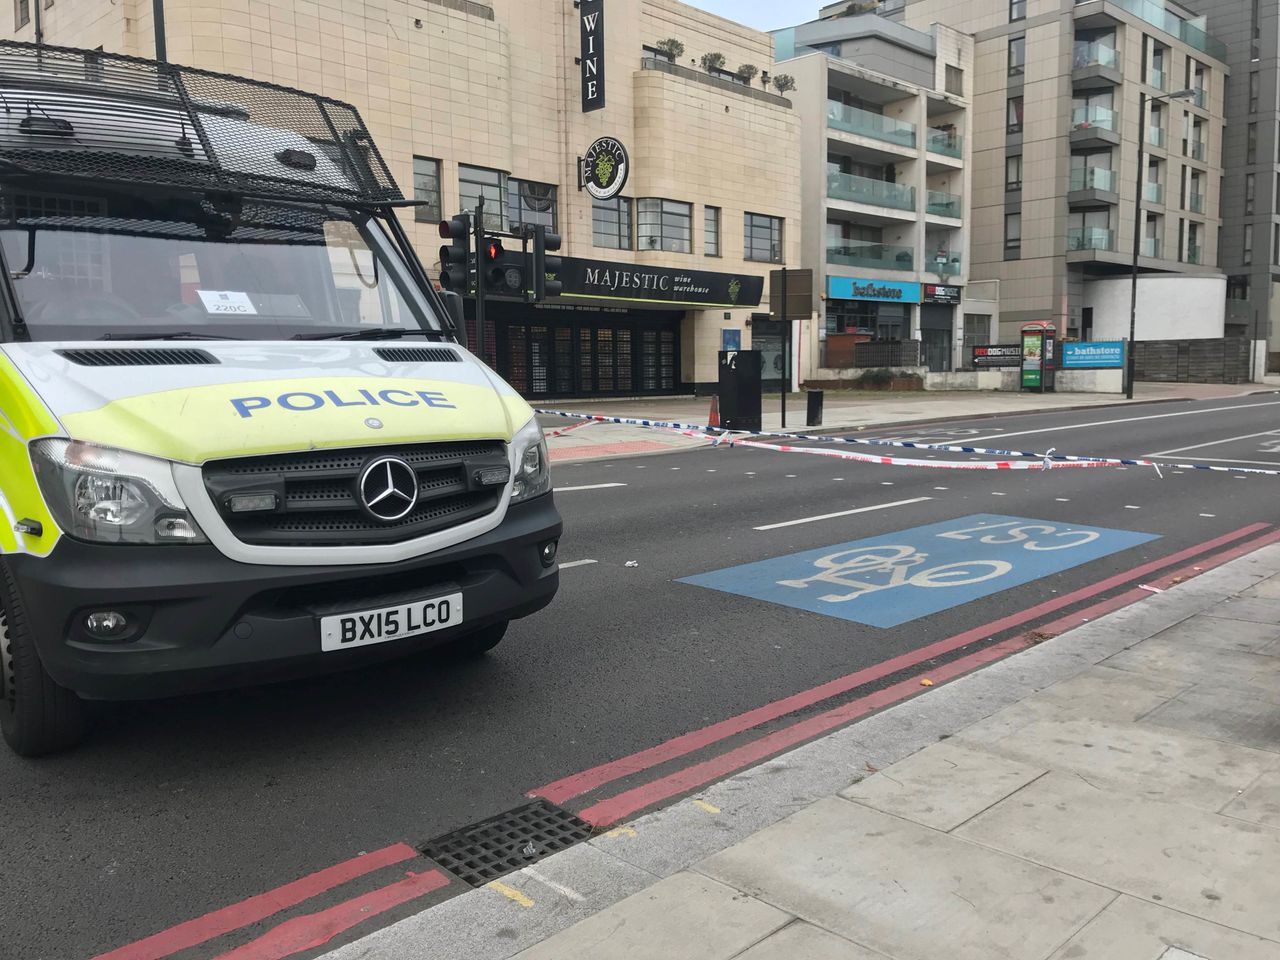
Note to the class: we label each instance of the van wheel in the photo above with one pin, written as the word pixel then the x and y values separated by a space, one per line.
pixel 36 715
pixel 474 645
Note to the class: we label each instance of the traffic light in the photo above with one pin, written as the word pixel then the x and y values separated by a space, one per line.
pixel 543 242
pixel 455 256
pixel 502 274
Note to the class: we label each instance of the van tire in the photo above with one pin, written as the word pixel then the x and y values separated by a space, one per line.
pixel 37 716
pixel 475 645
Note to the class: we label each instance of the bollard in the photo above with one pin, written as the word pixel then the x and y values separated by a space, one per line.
pixel 813 414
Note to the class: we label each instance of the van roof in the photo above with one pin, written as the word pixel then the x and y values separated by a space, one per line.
pixel 98 117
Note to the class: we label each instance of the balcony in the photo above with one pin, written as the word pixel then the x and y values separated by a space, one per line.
pixel 1195 202
pixel 1156 137
pixel 948 143
pixel 875 126
pixel 1194 149
pixel 877 193
pixel 1201 98
pixel 951 268
pixel 1091 238
pixel 1093 178
pixel 941 204
pixel 877 256
pixel 1095 65
pixel 1158 79
pixel 1155 14
pixel 1151 247
pixel 1094 127
pixel 1194 255
pixel 1153 192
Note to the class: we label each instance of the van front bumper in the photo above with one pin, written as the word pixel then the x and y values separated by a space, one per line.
pixel 202 621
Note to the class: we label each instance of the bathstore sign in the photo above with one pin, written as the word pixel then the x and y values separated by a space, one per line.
pixel 591 59
pixel 849 288
pixel 1105 355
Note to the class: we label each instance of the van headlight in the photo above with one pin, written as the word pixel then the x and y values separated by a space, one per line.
pixel 533 466
pixel 111 496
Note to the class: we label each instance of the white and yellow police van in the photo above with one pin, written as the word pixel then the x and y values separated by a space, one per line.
pixel 240 436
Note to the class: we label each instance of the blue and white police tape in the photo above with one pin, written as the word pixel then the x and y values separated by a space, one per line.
pixel 1049 457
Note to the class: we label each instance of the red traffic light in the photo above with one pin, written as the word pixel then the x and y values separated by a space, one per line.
pixel 493 250
pixel 455 228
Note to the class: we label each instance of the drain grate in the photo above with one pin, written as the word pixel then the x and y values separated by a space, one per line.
pixel 508 842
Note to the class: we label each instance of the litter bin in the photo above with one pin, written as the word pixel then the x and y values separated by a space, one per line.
pixel 813 412
pixel 740 389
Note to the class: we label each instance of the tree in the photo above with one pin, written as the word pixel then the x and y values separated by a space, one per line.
pixel 671 48
pixel 711 62
pixel 747 72
pixel 784 82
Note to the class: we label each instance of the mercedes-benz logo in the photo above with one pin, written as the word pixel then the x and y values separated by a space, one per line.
pixel 388 489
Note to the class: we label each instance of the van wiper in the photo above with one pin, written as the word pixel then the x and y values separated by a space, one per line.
pixel 375 333
pixel 174 335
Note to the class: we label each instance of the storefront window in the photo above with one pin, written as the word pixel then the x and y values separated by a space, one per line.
pixel 611 223
pixel 665 225
pixel 868 318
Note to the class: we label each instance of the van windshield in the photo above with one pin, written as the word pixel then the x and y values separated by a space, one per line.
pixel 98 266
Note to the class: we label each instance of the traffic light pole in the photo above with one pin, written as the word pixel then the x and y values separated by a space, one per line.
pixel 481 255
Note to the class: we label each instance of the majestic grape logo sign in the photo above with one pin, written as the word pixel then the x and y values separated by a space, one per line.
pixel 605 169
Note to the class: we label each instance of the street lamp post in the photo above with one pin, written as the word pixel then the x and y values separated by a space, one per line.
pixel 1130 364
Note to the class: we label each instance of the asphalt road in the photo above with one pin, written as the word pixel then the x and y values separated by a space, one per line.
pixel 178 808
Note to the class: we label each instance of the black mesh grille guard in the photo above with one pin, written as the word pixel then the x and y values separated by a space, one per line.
pixel 100 117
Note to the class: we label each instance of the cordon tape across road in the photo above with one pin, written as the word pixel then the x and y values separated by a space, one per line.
pixel 1047 461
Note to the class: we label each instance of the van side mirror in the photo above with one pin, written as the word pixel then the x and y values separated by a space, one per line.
pixel 453 303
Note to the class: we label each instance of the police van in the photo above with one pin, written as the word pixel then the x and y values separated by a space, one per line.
pixel 241 438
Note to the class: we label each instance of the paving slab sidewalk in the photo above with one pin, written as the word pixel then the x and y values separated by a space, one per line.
pixel 844 410
pixel 1112 793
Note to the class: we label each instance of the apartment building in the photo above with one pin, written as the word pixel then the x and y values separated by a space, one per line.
pixel 1059 87
pixel 886 155
pixel 503 100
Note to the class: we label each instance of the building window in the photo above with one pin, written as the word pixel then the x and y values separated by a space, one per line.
pixel 611 223
pixel 531 204
pixel 1250 185
pixel 426 190
pixel 1251 144
pixel 1278 193
pixel 1238 287
pixel 977 328
pixel 762 238
pixel 21 13
pixel 1012 236
pixel 1275 244
pixel 1255 87
pixel 1014 118
pixel 1248 245
pixel 1017 10
pixel 711 231
pixel 955 80
pixel 1017 55
pixel 665 225
pixel 1013 172
pixel 477 182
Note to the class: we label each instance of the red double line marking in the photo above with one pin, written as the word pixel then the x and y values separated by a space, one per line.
pixel 254 909
pixel 613 809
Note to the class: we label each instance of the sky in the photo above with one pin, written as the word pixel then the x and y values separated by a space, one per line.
pixel 762 14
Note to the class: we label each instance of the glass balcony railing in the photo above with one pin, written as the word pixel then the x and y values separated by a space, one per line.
pixel 1154 13
pixel 878 256
pixel 1194 149
pixel 1151 247
pixel 946 142
pixel 1195 254
pixel 1195 202
pixel 880 193
pixel 1153 192
pixel 1155 136
pixel 1094 54
pixel 1093 178
pixel 951 268
pixel 1087 118
pixel 943 204
pixel 1091 238
pixel 1201 98
pixel 864 123
pixel 1158 79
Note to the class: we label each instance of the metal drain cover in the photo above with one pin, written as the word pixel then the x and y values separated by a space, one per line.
pixel 508 842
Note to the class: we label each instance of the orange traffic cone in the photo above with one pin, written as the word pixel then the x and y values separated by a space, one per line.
pixel 713 420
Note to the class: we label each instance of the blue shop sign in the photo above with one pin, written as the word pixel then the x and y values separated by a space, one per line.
pixel 1106 355
pixel 887 291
